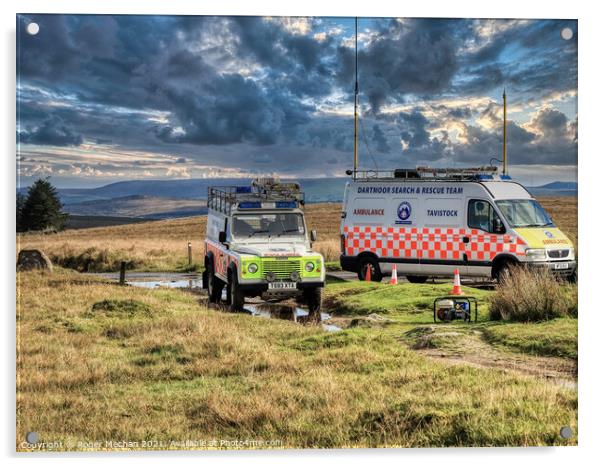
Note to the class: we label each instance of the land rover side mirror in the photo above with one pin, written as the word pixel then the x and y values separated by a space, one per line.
pixel 313 236
pixel 222 237
pixel 498 226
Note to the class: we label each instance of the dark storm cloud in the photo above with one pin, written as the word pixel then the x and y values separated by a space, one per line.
pixel 530 58
pixel 137 62
pixel 232 109
pixel 382 145
pixel 416 57
pixel 52 132
pixel 413 129
pixel 177 84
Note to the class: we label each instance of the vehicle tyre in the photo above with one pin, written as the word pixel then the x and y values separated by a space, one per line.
pixel 572 278
pixel 204 277
pixel 364 263
pixel 502 270
pixel 313 298
pixel 214 286
pixel 236 296
pixel 417 278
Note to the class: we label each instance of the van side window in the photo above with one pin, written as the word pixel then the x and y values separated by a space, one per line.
pixel 481 215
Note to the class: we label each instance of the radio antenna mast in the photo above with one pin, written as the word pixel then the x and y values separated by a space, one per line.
pixel 504 155
pixel 355 104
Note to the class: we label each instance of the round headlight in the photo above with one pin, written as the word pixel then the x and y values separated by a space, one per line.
pixel 309 266
pixel 252 267
pixel 294 276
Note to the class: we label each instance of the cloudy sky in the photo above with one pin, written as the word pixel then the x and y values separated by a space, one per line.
pixel 110 98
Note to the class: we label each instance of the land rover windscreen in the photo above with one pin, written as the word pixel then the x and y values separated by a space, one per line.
pixel 285 224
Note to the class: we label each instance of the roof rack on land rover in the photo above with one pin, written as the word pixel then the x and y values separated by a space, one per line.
pixel 263 192
pixel 485 173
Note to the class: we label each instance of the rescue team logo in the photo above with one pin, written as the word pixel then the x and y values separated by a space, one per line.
pixel 403 213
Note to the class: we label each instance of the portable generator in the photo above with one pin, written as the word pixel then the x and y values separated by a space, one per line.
pixel 450 308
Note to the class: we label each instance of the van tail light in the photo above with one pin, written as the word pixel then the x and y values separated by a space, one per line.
pixel 342 244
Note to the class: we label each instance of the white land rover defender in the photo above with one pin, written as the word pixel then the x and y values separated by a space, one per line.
pixel 257 244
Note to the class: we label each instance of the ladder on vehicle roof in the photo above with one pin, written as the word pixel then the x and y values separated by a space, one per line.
pixel 431 174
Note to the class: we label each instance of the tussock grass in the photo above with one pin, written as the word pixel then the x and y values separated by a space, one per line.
pixel 188 372
pixel 532 295
pixel 129 307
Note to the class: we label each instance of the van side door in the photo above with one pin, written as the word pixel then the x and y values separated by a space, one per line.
pixel 485 230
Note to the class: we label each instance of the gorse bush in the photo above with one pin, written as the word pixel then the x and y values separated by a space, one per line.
pixel 533 295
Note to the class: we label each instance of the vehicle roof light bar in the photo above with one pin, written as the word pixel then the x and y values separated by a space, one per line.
pixel 263 193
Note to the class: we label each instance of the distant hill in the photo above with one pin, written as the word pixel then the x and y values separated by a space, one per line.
pixel 174 189
pixel 556 188
pixel 316 190
pixel 138 206
pixel 157 199
pixel 564 185
pixel 76 222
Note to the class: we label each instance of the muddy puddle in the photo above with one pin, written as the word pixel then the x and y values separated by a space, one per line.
pixel 195 282
pixel 188 283
pixel 287 312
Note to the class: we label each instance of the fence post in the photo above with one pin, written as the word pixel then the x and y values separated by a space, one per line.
pixel 189 254
pixel 122 273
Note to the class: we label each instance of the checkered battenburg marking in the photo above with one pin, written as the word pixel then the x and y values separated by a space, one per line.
pixel 430 243
pixel 222 258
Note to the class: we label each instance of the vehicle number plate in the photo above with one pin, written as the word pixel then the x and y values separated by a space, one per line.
pixel 561 266
pixel 282 286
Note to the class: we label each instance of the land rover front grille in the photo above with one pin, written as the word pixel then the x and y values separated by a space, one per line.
pixel 558 253
pixel 281 268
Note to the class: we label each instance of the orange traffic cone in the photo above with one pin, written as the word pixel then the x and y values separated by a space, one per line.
pixel 368 275
pixel 393 280
pixel 456 290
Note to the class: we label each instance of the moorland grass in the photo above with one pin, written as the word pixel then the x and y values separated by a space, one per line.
pixel 179 371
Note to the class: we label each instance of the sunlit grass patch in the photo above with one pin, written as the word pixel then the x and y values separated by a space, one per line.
pixel 557 337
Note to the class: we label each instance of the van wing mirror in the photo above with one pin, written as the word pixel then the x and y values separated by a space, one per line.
pixel 222 237
pixel 313 236
pixel 498 226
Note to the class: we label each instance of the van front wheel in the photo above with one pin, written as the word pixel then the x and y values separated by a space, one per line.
pixel 503 270
pixel 375 272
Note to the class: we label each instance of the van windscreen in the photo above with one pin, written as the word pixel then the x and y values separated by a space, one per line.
pixel 524 213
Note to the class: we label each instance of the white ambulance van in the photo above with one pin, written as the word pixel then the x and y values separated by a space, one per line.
pixel 431 221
